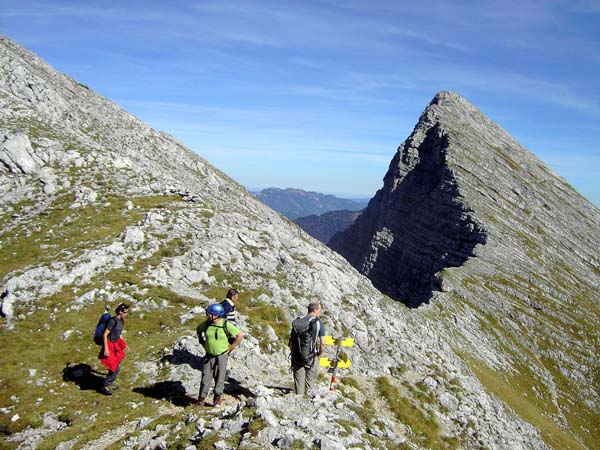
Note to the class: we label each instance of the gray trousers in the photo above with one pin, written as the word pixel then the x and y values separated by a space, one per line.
pixel 215 368
pixel 304 377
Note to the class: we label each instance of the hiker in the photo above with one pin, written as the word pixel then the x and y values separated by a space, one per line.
pixel 229 305
pixel 306 344
pixel 219 337
pixel 113 348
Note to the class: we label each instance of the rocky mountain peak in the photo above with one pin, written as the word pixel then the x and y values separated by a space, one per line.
pixel 418 223
pixel 469 216
pixel 445 97
pixel 442 197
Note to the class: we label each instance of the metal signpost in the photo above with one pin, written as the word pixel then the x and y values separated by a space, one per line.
pixel 340 360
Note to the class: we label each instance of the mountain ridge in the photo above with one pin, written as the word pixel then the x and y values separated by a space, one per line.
pixel 294 203
pixel 111 210
pixel 324 226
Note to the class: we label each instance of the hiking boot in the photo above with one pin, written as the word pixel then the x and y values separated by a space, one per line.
pixel 217 400
pixel 199 402
pixel 106 390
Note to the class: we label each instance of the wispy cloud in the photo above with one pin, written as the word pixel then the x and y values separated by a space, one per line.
pixel 338 82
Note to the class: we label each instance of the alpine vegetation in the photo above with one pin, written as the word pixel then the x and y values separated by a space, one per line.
pixel 97 209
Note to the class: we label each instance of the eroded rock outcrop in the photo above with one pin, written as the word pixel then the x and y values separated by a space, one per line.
pixel 447 188
pixel 416 225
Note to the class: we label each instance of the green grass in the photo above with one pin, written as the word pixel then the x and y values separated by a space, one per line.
pixel 6 214
pixel 507 159
pixel 260 316
pixel 223 280
pixel 303 260
pixel 61 233
pixel 347 425
pixel 398 372
pixel 509 389
pixel 528 350
pixel 526 388
pixel 255 425
pixel 38 343
pixel 364 412
pixel 130 279
pixel 413 413
pixel 350 381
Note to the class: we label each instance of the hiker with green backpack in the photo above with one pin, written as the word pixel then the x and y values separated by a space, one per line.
pixel 219 338
pixel 306 346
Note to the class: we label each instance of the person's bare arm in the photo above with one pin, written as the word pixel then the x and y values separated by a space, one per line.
pixel 105 340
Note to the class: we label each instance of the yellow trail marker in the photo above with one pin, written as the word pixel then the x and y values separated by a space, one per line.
pixel 348 342
pixel 330 340
pixel 341 363
pixel 325 362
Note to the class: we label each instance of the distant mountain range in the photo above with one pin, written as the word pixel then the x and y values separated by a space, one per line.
pixel 323 227
pixel 294 203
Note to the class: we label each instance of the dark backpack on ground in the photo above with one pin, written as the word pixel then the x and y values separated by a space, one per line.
pixel 302 342
pixel 100 328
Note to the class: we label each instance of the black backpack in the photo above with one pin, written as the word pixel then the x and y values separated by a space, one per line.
pixel 302 343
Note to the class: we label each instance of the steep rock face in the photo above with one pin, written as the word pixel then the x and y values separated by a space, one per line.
pixel 416 225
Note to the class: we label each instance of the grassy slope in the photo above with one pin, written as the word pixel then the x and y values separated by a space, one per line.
pixel 528 350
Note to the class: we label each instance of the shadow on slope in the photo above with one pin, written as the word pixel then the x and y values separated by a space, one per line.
pixel 83 376
pixel 172 391
pixel 184 356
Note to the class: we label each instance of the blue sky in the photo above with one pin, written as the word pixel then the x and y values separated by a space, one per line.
pixel 319 94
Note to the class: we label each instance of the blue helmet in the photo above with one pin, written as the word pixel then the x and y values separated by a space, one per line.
pixel 216 309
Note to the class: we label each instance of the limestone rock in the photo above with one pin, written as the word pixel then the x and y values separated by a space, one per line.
pixel 16 154
pixel 190 232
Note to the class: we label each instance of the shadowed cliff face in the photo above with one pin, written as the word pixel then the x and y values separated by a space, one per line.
pixel 414 227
